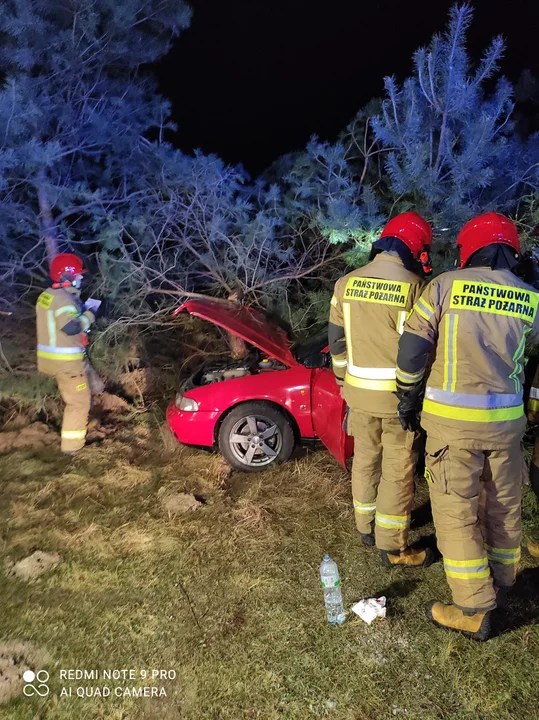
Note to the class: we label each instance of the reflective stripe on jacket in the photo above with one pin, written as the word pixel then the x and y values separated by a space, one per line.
pixel 479 320
pixel 368 311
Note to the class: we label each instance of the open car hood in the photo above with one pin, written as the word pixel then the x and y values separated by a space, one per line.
pixel 249 324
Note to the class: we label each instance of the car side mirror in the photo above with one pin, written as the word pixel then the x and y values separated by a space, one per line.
pixel 316 360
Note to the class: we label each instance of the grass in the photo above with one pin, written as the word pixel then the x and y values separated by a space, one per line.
pixel 27 389
pixel 228 596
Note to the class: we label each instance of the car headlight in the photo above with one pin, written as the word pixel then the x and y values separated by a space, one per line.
pixel 186 404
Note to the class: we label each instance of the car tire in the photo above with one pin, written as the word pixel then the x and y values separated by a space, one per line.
pixel 269 437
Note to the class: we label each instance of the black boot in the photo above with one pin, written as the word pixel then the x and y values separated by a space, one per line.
pixel 534 479
pixel 367 539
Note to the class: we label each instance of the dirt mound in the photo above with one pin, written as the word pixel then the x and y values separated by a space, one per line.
pixel 17 421
pixel 220 469
pixel 179 503
pixel 31 437
pixel 108 403
pixel 32 567
pixel 16 658
pixel 139 383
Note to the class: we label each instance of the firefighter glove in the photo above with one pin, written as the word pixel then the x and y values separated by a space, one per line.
pixel 409 407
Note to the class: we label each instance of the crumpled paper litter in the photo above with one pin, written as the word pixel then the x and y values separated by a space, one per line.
pixel 370 608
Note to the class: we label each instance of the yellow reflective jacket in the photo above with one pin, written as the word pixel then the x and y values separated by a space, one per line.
pixel 60 322
pixel 478 319
pixel 369 307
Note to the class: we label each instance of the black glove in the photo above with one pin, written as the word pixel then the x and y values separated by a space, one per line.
pixel 527 269
pixel 409 407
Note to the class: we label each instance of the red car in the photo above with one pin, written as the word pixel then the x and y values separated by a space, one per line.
pixel 258 409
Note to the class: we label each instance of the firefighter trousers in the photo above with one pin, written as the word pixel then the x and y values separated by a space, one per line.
pixel 534 465
pixel 382 478
pixel 75 392
pixel 475 497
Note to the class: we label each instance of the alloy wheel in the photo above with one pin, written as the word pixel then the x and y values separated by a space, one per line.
pixel 255 440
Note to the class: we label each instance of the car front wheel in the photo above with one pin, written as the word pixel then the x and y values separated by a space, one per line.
pixel 255 436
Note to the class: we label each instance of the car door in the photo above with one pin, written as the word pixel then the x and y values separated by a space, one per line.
pixel 328 410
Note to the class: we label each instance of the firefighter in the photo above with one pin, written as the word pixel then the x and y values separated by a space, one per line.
pixel 367 315
pixel 533 417
pixel 477 320
pixel 529 271
pixel 62 323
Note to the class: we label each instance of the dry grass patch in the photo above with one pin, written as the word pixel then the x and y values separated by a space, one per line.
pixel 125 477
pixel 229 595
pixel 249 515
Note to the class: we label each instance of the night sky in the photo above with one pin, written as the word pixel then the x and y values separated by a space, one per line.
pixel 253 79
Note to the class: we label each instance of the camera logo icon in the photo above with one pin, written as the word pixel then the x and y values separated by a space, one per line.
pixel 36 683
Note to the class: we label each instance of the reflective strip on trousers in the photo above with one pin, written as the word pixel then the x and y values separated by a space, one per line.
pixel 84 321
pixel 533 405
pixel 467 569
pixel 503 555
pixel 534 393
pixel 450 352
pixel 73 434
pixel 364 508
pixel 392 521
pixel 339 363
pixel 472 414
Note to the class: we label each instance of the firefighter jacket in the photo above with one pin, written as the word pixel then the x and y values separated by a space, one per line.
pixel 62 322
pixel 533 400
pixel 367 315
pixel 478 321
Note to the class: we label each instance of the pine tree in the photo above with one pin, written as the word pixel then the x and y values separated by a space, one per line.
pixel 76 116
pixel 451 150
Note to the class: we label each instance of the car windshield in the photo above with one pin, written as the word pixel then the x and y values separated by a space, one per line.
pixel 315 344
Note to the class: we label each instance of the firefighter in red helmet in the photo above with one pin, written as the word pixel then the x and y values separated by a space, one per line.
pixel 62 323
pixel 477 320
pixel 367 315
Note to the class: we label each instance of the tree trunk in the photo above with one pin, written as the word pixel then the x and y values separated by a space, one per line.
pixel 238 348
pixel 48 226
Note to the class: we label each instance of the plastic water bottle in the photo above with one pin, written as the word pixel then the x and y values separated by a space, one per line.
pixel 331 582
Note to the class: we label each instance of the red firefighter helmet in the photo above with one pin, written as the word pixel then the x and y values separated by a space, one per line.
pixel 414 231
pixel 66 264
pixel 486 230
